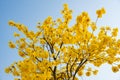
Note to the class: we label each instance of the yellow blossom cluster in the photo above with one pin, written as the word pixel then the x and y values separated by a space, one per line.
pixel 100 12
pixel 89 72
pixel 116 68
pixel 57 51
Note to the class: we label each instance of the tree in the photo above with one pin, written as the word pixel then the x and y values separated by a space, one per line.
pixel 58 51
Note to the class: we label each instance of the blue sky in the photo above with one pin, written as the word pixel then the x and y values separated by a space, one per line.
pixel 29 12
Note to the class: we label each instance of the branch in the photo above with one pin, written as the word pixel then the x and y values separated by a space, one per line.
pixel 80 64
pixel 61 76
pixel 67 68
pixel 54 73
pixel 51 69
pixel 37 59
pixel 50 46
pixel 72 65
pixel 59 50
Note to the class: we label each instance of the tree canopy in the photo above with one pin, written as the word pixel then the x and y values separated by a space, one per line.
pixel 57 51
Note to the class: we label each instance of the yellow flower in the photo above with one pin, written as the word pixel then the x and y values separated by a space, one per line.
pixel 42 41
pixel 11 44
pixel 11 23
pixel 100 12
pixel 16 34
pixel 103 10
pixel 22 45
pixel 115 69
pixel 119 66
pixel 108 28
pixel 80 73
pixel 59 20
pixel 65 6
pixel 21 53
pixel 15 73
pixel 115 32
pixel 88 73
pixel 46 54
pixel 7 70
pixel 95 72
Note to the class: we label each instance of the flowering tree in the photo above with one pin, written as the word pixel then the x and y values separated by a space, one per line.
pixel 58 51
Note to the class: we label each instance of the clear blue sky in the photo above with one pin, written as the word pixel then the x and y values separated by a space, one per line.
pixel 29 12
